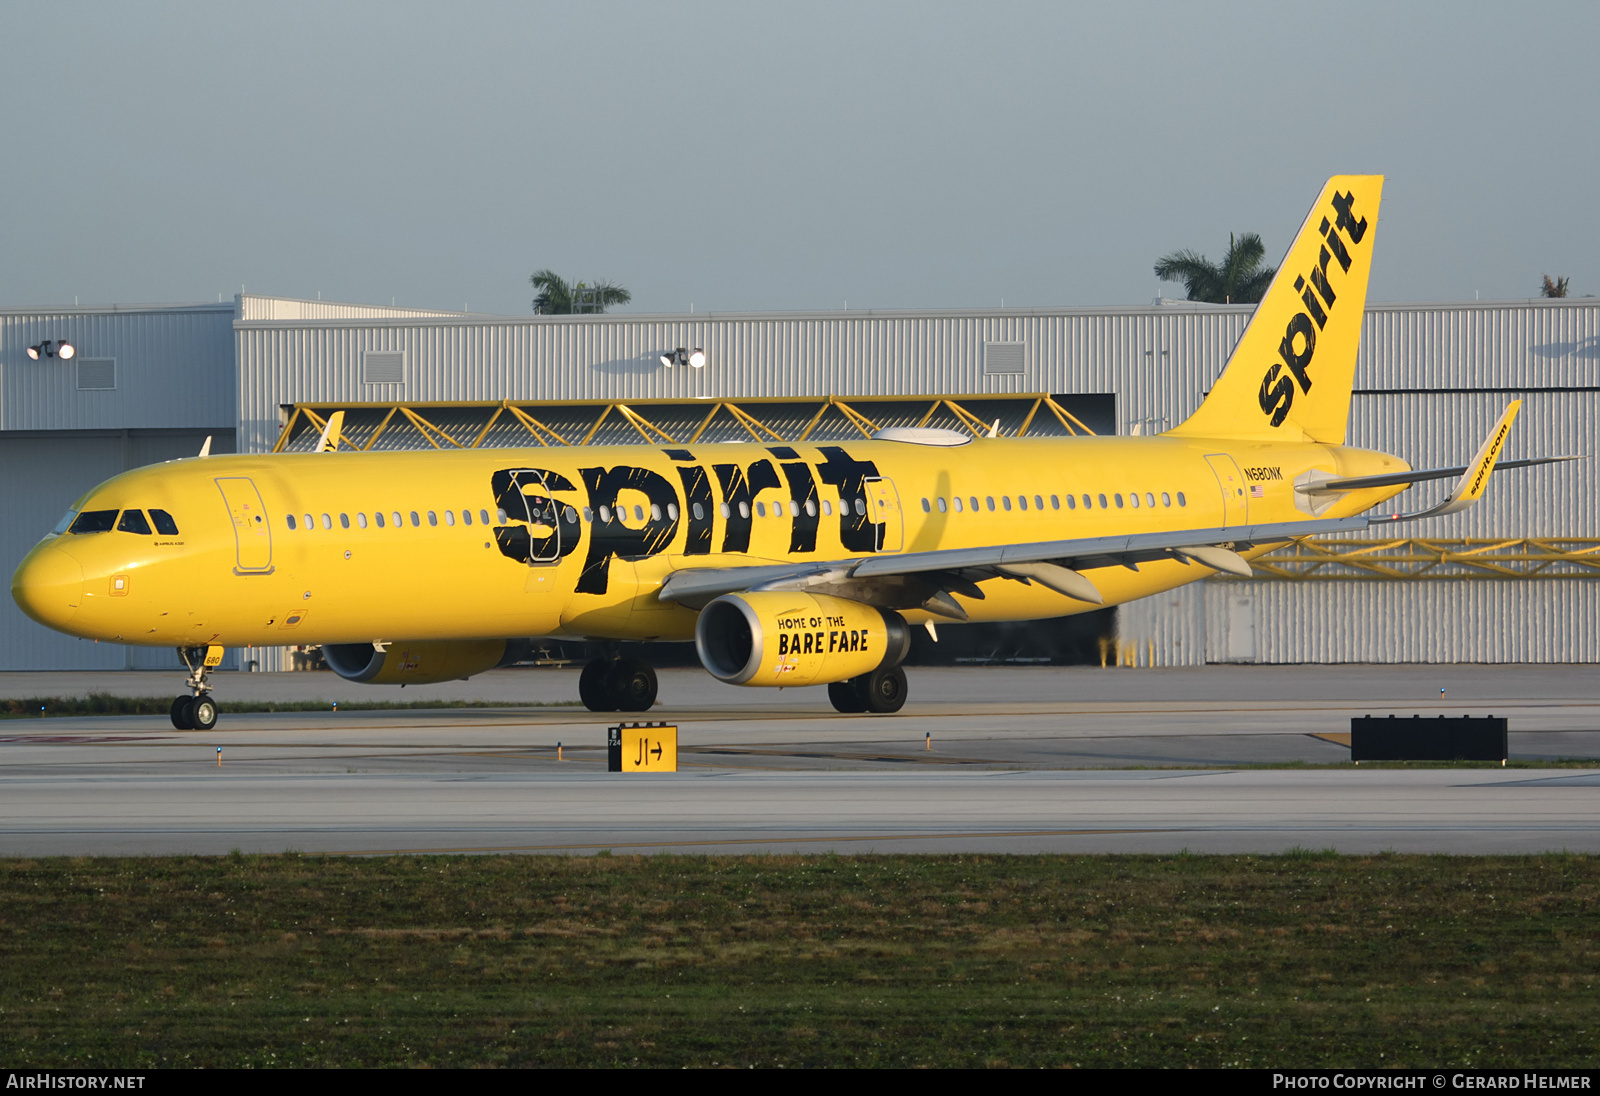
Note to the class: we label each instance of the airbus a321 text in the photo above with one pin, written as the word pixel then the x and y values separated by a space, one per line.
pixel 786 565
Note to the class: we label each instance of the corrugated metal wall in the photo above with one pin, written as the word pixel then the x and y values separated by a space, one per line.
pixel 174 368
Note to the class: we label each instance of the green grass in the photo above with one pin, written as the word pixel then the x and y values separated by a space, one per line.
pixel 36 707
pixel 1307 959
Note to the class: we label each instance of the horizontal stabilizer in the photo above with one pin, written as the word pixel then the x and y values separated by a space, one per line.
pixel 1475 477
pixel 1358 483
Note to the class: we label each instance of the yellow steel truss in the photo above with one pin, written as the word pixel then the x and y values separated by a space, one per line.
pixel 749 415
pixel 1432 558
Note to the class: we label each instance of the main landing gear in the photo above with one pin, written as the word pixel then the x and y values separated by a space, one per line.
pixel 617 685
pixel 882 691
pixel 197 712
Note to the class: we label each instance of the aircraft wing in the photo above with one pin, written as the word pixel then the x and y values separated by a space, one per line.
pixel 913 579
pixel 925 580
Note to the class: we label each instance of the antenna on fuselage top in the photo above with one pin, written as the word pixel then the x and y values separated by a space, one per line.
pixel 205 449
pixel 994 431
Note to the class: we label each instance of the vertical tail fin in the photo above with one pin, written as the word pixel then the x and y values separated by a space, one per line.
pixel 1290 377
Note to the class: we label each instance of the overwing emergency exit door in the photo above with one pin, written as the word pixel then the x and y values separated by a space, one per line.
pixel 885 513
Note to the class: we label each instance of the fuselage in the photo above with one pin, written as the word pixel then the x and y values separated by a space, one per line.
pixel 359 547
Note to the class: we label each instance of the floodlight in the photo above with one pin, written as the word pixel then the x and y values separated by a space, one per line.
pixel 697 358
pixel 668 359
pixel 680 356
pixel 65 349
pixel 33 351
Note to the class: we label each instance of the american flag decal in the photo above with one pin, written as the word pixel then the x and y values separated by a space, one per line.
pixel 1257 491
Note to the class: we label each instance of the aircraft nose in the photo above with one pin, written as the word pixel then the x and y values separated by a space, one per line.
pixel 48 586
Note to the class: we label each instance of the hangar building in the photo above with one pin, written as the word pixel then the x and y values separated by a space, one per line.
pixel 1511 580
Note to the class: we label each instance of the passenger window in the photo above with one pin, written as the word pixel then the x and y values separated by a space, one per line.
pixel 567 512
pixel 942 506
pixel 344 521
pixel 956 502
pixel 483 515
pixel 398 522
pixel 1055 502
pixel 377 517
pixel 433 518
pixel 926 509
pixel 698 511
pixel 1150 500
pixel 361 520
pixel 761 509
pixel 588 514
pixel 94 521
pixel 1005 501
pixel 777 509
pixel 827 508
pixel 1022 502
pixel 861 508
pixel 605 514
pixel 310 523
pixel 638 513
pixel 794 508
pixel 990 500
pixel 672 511
pixel 290 520
pixel 655 511
pixel 1181 500
pixel 974 500
pixel 744 509
pixel 1119 501
pixel 416 522
pixel 1166 499
pixel 1038 503
pixel 327 522
pixel 727 513
pixel 811 508
pixel 449 517
pixel 466 517
pixel 1072 502
pixel 1133 498
pixel 133 521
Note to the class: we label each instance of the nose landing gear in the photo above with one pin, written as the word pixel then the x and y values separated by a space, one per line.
pixel 197 712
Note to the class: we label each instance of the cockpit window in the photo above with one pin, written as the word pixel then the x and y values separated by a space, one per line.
pixel 164 523
pixel 94 521
pixel 65 523
pixel 133 522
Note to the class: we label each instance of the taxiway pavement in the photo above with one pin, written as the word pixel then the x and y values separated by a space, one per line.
pixel 991 759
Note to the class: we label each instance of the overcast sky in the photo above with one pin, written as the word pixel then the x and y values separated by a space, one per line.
pixel 756 156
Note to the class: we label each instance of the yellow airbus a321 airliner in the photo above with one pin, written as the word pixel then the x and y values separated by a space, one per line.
pixel 787 565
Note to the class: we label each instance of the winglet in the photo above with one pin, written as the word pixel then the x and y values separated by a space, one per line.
pixel 1470 487
pixel 205 450
pixel 331 432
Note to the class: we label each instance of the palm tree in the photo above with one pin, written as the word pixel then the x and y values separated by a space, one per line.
pixel 1554 288
pixel 1239 279
pixel 558 297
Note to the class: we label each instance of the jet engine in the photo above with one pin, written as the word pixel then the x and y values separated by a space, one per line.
pixel 420 663
pixel 789 639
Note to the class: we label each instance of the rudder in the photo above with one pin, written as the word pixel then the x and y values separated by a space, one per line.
pixel 1290 376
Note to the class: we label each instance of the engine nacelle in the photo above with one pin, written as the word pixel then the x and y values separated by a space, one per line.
pixel 791 639
pixel 419 663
